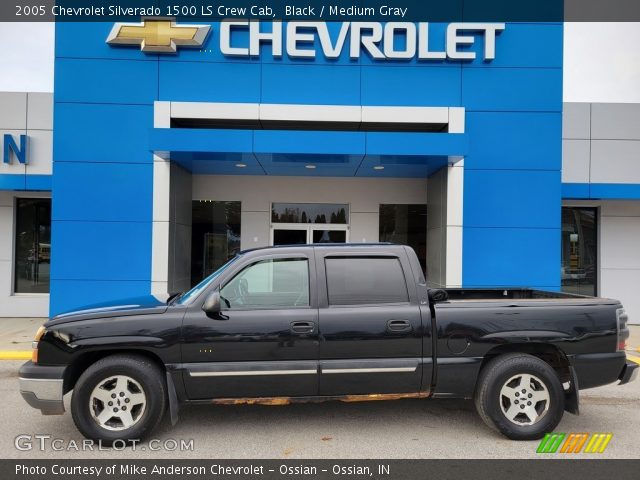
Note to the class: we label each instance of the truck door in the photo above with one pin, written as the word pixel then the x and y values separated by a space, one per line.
pixel 265 343
pixel 370 323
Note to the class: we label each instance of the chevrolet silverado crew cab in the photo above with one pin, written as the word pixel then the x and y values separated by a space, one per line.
pixel 327 322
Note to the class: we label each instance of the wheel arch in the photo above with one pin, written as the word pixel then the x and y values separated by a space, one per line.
pixel 547 352
pixel 84 360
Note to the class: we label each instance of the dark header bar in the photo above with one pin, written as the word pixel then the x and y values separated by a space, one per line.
pixel 569 469
pixel 326 10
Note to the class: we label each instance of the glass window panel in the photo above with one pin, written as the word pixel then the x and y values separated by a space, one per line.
pixel 329 236
pixel 406 225
pixel 365 280
pixel 289 237
pixel 32 245
pixel 309 213
pixel 579 250
pixel 215 236
pixel 278 283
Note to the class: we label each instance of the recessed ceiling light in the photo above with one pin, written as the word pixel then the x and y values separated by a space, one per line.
pixel 378 167
pixel 310 167
pixel 241 165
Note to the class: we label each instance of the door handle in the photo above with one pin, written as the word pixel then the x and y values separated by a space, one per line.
pixel 303 327
pixel 399 326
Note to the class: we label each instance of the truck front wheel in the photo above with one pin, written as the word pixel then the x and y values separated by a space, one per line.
pixel 520 396
pixel 120 397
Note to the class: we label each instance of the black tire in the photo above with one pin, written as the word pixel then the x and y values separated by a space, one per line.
pixel 143 371
pixel 490 403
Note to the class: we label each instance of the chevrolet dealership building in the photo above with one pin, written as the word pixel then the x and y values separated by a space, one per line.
pixel 147 168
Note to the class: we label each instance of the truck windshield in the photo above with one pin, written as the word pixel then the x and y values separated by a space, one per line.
pixel 187 297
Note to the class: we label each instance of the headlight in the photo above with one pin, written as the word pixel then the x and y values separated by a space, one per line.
pixel 34 345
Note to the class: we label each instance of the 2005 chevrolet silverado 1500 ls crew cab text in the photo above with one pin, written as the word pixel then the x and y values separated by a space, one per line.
pixel 324 322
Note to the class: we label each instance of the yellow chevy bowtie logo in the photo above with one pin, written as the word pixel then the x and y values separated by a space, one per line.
pixel 158 35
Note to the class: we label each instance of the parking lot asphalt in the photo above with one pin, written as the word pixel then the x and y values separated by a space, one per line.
pixel 334 430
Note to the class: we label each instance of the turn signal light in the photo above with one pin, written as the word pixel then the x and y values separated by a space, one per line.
pixel 34 344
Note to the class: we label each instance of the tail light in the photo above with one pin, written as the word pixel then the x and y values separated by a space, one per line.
pixel 623 331
pixel 34 344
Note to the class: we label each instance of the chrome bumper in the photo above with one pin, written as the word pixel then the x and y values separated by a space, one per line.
pixel 42 388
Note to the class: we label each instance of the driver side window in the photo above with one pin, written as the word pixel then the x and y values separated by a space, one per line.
pixel 273 283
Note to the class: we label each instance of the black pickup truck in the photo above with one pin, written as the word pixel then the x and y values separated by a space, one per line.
pixel 327 322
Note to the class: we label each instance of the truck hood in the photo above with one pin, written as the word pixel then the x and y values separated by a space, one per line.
pixel 130 306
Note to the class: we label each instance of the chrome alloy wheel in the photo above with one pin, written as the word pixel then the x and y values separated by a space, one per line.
pixel 524 399
pixel 117 403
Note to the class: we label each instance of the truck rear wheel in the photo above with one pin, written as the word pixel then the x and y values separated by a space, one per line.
pixel 520 396
pixel 120 397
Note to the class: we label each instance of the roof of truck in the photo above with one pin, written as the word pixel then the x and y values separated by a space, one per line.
pixel 323 245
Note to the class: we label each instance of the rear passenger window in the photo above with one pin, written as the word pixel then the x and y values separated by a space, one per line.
pixel 365 280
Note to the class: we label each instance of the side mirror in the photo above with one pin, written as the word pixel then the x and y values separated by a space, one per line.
pixel 437 295
pixel 211 305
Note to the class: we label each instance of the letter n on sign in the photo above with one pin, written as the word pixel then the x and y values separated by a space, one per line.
pixel 10 145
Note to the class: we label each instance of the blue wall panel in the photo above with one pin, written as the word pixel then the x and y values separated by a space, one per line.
pixel 615 191
pixel 514 140
pixel 28 182
pixel 575 190
pixel 38 182
pixel 97 81
pixel 601 191
pixel 88 250
pixel 418 144
pixel 337 143
pixel 527 257
pixel 209 82
pixel 103 172
pixel 85 191
pixel 102 133
pixel 317 84
pixel 512 89
pixel 512 194
pixel 512 198
pixel 432 86
pixel 12 181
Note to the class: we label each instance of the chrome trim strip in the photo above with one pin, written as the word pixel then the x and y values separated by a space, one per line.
pixel 369 370
pixel 245 373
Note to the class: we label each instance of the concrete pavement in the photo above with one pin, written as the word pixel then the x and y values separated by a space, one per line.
pixel 16 334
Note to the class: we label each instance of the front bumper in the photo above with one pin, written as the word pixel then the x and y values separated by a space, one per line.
pixel 629 373
pixel 42 387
